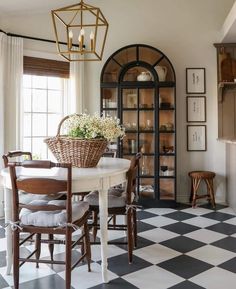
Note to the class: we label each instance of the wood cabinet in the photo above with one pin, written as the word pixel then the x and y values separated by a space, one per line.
pixel 226 81
pixel 138 86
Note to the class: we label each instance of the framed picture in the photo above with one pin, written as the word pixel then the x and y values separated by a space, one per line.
pixel 196 108
pixel 195 80
pixel 196 137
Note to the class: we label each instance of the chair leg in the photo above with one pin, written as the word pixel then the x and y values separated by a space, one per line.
pixel 68 258
pixel 95 224
pixel 130 236
pixel 87 245
pixel 38 248
pixel 51 245
pixel 16 249
pixel 135 227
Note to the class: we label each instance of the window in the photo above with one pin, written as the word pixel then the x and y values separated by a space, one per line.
pixel 44 104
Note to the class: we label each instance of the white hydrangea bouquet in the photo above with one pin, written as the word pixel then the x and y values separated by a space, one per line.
pixel 86 138
pixel 87 126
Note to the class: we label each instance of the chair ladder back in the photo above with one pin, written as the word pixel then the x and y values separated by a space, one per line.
pixel 39 186
pixel 131 177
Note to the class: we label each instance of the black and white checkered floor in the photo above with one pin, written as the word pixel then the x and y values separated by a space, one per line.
pixel 180 248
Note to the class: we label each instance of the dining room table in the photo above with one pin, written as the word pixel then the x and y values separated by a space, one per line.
pixel 108 172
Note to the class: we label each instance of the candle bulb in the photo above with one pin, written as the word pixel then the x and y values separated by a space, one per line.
pixel 92 41
pixel 70 39
pixel 80 42
pixel 82 33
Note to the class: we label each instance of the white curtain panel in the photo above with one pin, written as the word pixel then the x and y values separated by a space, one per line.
pixel 77 87
pixel 11 77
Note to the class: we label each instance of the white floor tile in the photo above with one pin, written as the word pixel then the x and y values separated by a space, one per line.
pixel 158 235
pixel 3 244
pixel 198 211
pixel 159 221
pixel 112 251
pixel 153 277
pixel 160 211
pixel 112 234
pixel 45 251
pixel 201 222
pixel 28 272
pixel 215 278
pixel 81 278
pixel 234 235
pixel 212 255
pixel 156 253
pixel 231 221
pixel 206 236
pixel 227 211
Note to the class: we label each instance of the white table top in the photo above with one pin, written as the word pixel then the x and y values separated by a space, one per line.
pixel 107 167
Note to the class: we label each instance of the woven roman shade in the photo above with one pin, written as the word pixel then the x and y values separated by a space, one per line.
pixel 46 67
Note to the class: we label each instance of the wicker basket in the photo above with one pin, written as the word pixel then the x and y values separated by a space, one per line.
pixel 81 153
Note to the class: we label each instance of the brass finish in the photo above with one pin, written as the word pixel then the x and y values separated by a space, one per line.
pixel 81 32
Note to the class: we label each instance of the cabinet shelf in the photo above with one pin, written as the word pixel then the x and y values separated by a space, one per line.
pixel 144 108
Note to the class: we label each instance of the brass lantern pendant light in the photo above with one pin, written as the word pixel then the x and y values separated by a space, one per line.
pixel 81 32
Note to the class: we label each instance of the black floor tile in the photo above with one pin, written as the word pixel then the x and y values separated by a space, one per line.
pixel 141 215
pixel 229 265
pixel 61 257
pixel 186 285
pixel 3 283
pixel 182 244
pixel 218 216
pixel 181 228
pixel 181 206
pixel 209 206
pixel 228 243
pixel 115 284
pixel 180 216
pixel 223 228
pixel 2 233
pixel 3 259
pixel 144 227
pixel 120 264
pixel 185 266
pixel 142 242
pixel 49 282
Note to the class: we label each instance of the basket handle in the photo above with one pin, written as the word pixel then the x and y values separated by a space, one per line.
pixel 61 122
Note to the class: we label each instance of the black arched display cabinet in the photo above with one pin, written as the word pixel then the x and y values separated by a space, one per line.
pixel 138 86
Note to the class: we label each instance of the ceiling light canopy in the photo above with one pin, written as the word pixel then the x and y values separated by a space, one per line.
pixel 81 31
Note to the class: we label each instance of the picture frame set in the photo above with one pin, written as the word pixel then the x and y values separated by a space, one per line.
pixel 196 109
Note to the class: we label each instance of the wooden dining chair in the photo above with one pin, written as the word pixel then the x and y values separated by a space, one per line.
pixel 28 197
pixel 120 203
pixel 47 217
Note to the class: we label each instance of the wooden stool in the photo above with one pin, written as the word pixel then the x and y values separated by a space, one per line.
pixel 196 178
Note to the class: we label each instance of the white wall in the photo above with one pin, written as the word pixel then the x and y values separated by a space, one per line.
pixel 185 31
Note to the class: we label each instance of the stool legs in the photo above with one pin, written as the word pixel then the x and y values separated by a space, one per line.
pixel 209 183
pixel 195 186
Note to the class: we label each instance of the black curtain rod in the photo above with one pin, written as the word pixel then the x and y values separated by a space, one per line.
pixel 30 37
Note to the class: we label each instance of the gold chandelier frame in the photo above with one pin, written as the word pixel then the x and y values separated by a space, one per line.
pixel 80 18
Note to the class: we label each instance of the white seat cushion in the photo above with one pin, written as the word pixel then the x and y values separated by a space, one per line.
pixel 26 198
pixel 52 218
pixel 116 199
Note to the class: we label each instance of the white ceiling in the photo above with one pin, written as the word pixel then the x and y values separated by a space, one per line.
pixel 34 6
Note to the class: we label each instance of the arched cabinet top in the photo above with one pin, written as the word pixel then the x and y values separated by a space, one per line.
pixel 127 63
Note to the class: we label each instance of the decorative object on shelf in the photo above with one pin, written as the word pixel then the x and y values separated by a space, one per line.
pixel 81 32
pixel 87 139
pixel 131 100
pixel 132 146
pixel 169 126
pixel 196 108
pixel 164 103
pixel 144 76
pixel 195 80
pixel 161 72
pixel 196 137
